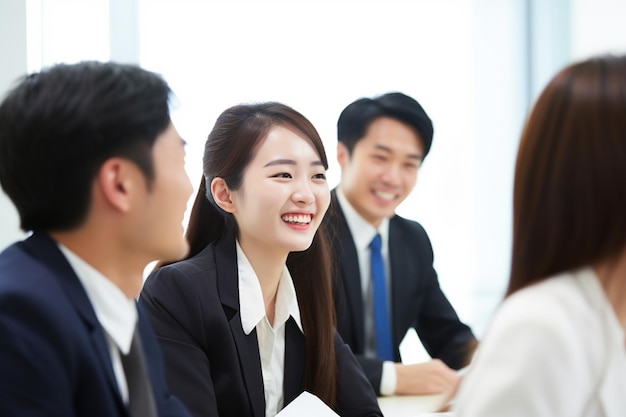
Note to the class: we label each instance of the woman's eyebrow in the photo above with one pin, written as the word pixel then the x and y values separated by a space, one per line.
pixel 280 162
pixel 289 162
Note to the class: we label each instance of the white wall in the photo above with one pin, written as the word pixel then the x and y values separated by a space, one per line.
pixel 500 102
pixel 13 53
pixel 597 27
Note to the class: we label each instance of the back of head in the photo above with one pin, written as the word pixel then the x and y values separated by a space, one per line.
pixel 570 175
pixel 356 117
pixel 59 125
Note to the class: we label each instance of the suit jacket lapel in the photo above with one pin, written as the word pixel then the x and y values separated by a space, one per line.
pixel 46 251
pixel 399 252
pixel 247 345
pixel 350 270
pixel 295 354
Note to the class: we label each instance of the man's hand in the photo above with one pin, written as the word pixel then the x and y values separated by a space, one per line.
pixel 433 377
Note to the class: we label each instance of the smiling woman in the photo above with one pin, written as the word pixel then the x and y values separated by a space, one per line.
pixel 246 320
pixel 283 185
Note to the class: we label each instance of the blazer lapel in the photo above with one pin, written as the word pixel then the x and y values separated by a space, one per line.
pixel 247 345
pixel 349 270
pixel 400 250
pixel 46 251
pixel 295 354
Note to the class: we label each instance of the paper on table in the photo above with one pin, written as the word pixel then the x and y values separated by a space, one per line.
pixel 307 405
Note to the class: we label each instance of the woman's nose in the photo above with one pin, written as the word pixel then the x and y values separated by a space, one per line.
pixel 303 194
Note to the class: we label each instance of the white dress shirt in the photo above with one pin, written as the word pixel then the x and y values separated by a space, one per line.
pixel 362 234
pixel 555 348
pixel 271 339
pixel 116 313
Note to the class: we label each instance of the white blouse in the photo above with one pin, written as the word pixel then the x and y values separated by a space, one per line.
pixel 271 339
pixel 553 349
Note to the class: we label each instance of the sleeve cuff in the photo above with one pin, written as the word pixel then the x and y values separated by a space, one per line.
pixel 388 379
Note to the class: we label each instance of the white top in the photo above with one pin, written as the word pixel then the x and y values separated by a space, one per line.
pixel 362 234
pixel 116 313
pixel 553 349
pixel 271 339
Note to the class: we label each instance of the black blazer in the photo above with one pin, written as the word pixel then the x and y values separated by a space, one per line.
pixel 54 358
pixel 417 300
pixel 211 364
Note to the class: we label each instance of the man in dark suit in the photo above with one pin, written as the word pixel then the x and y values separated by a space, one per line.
pixel 382 143
pixel 95 168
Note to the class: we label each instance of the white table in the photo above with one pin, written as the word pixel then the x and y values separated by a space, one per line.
pixel 409 405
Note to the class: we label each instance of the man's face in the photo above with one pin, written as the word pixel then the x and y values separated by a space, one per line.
pixel 382 169
pixel 160 210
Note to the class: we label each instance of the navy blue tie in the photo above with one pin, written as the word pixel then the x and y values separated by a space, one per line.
pixel 384 346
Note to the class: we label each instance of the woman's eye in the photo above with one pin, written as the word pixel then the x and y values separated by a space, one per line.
pixel 283 175
pixel 321 176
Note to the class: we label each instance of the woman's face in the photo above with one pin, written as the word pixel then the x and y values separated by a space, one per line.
pixel 284 194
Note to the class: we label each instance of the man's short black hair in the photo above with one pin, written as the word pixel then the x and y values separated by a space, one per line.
pixel 59 125
pixel 357 116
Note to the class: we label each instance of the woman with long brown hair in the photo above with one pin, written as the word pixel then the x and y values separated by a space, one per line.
pixel 556 345
pixel 246 321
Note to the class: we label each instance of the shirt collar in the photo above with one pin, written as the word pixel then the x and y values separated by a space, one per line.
pixel 251 302
pixel 116 313
pixel 362 231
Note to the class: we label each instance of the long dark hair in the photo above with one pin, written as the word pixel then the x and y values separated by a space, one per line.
pixel 228 150
pixel 570 176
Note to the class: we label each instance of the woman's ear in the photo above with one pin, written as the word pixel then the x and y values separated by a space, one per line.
pixel 221 195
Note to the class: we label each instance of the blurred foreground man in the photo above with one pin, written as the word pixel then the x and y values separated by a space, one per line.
pixel 95 168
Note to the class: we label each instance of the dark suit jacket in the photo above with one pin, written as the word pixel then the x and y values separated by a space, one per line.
pixel 211 364
pixel 54 358
pixel 416 298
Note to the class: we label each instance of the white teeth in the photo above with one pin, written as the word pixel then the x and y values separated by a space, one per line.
pixel 297 219
pixel 385 196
